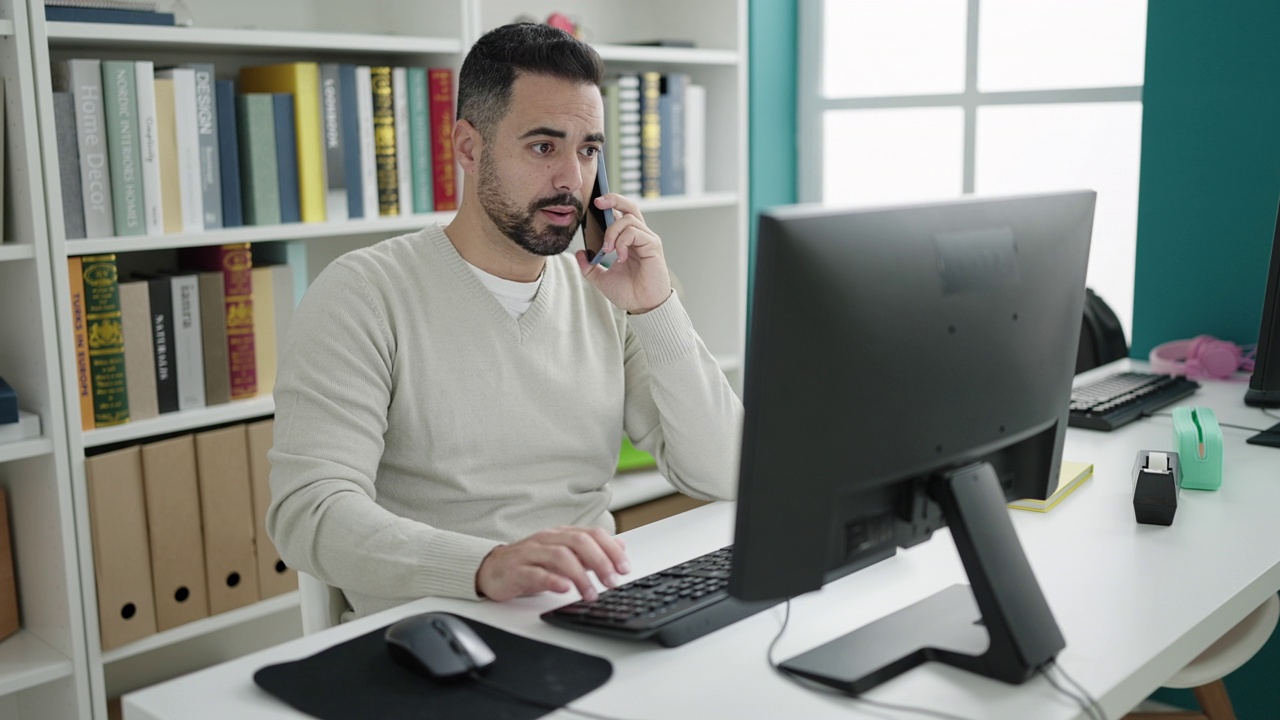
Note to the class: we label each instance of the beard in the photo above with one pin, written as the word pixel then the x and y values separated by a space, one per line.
pixel 518 224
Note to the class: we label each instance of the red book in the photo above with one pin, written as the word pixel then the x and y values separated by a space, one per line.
pixel 445 185
pixel 236 263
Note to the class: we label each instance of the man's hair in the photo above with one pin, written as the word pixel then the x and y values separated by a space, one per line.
pixel 492 65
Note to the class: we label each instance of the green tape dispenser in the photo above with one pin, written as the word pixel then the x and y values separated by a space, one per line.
pixel 1198 439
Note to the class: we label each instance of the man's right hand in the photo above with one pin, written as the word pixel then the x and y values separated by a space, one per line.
pixel 557 560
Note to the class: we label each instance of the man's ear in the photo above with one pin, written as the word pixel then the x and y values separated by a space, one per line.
pixel 467 145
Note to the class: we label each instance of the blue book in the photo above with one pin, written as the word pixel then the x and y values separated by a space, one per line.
pixel 671 122
pixel 229 152
pixel 8 403
pixel 54 13
pixel 348 102
pixel 287 158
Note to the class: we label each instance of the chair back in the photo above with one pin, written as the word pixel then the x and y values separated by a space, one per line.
pixel 322 604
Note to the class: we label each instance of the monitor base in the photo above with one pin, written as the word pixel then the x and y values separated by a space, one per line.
pixel 1269 437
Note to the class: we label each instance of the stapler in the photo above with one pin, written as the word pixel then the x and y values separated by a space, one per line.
pixel 1198 440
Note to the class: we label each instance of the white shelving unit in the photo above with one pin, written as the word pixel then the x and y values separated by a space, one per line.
pixel 60 669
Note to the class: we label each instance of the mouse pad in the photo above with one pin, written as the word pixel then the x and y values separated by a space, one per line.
pixel 359 679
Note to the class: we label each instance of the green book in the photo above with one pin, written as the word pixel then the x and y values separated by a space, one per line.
pixel 259 178
pixel 420 141
pixel 124 150
pixel 106 340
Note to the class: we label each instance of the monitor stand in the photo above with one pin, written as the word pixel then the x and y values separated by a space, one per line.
pixel 1269 437
pixel 1002 629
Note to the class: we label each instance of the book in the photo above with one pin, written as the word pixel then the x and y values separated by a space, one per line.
pixel 229 154
pixel 234 263
pixel 160 295
pixel 8 403
pixel 9 623
pixel 628 165
pixel 167 154
pixel 695 139
pixel 55 13
pixel 1070 477
pixel 105 334
pixel 124 154
pixel 400 108
pixel 302 80
pixel 149 147
pixel 420 140
pixel 384 140
pixel 84 79
pixel 349 106
pixel 444 172
pixel 64 118
pixel 368 146
pixel 213 337
pixel 334 153
pixel 264 328
pixel 671 111
pixel 188 341
pixel 282 112
pixel 84 387
pixel 206 117
pixel 139 352
pixel 187 145
pixel 650 134
pixel 260 174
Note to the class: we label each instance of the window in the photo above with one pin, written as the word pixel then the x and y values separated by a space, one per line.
pixel 909 100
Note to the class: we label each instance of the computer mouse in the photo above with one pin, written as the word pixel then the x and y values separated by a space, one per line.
pixel 439 645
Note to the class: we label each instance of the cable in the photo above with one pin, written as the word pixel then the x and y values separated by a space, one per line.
pixel 529 700
pixel 1271 414
pixel 813 686
pixel 1092 702
pixel 1084 705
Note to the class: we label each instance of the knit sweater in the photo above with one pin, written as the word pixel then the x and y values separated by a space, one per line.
pixel 419 425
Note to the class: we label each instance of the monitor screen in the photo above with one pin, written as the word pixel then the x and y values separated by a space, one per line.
pixel 897 357
pixel 1264 384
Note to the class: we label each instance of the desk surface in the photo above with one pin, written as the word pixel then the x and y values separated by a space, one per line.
pixel 1135 603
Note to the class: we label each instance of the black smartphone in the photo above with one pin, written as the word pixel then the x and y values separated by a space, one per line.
pixel 597 220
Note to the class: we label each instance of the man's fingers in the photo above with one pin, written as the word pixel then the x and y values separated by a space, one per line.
pixel 564 561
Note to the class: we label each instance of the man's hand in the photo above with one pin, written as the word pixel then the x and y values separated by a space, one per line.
pixel 638 281
pixel 555 560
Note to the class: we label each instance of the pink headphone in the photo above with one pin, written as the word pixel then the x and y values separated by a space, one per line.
pixel 1203 356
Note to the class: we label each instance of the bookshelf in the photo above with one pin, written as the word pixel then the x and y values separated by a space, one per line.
pixel 62 670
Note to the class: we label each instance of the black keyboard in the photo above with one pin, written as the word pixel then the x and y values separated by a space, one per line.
pixel 671 606
pixel 1123 397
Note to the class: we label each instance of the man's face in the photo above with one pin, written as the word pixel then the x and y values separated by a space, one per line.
pixel 537 169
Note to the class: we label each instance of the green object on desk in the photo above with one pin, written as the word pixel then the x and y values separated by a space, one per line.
pixel 1198 439
pixel 629 458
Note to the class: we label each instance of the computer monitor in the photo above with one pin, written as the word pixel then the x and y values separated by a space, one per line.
pixel 1264 385
pixel 909 368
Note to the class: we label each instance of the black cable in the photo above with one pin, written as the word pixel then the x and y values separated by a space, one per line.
pixel 1088 705
pixel 1268 412
pixel 1092 702
pixel 529 700
pixel 1063 691
pixel 814 686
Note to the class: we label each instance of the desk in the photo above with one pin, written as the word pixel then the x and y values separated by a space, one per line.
pixel 1135 603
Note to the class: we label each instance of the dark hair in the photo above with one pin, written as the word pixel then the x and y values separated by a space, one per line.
pixel 491 66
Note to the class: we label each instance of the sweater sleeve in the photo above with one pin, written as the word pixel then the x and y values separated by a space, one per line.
pixel 332 392
pixel 679 406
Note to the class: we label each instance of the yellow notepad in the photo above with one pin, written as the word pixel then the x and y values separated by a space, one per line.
pixel 1070 476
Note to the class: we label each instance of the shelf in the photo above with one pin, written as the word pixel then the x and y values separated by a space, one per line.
pixel 221 621
pixel 666 55
pixel 26 661
pixel 633 488
pixel 389 227
pixel 688 202
pixel 6 28
pixel 16 251
pixel 184 39
pixel 23 449
pixel 179 421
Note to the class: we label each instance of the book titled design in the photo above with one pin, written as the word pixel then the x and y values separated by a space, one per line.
pixel 105 334
pixel 206 116
pixel 444 174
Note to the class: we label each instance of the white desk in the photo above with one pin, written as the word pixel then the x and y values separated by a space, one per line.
pixel 1135 603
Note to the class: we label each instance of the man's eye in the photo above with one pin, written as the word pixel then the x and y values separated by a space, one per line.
pixel 542 148
pixel 591 151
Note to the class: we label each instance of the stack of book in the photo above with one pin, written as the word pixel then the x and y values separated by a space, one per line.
pixel 656 129
pixel 132 12
pixel 147 151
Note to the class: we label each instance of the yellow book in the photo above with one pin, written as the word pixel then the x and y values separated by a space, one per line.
pixel 1070 476
pixel 302 80
pixel 167 135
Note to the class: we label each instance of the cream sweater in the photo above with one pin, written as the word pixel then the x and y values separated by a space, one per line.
pixel 419 425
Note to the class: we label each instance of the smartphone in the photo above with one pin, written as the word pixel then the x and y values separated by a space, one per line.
pixel 597 220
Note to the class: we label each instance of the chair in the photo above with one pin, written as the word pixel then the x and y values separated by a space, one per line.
pixel 1101 335
pixel 322 604
pixel 1204 674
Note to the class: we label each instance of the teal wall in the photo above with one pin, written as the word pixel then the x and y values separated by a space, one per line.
pixel 1210 170
pixel 772 107
pixel 1207 207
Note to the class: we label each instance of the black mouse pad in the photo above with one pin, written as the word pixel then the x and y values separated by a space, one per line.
pixel 358 679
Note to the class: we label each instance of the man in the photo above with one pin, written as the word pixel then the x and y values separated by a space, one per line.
pixel 450 404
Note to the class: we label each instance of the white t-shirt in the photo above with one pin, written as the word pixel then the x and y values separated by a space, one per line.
pixel 516 297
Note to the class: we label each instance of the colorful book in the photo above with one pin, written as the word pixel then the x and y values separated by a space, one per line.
pixel 149 147
pixel 1070 476
pixel 260 174
pixel 331 132
pixel 64 117
pixel 124 154
pixel 229 154
pixel 79 332
pixel 302 80
pixel 351 163
pixel 282 110
pixel 444 174
pixel 384 139
pixel 206 116
pixel 420 140
pixel 650 134
pixel 235 262
pixel 105 334
pixel 187 141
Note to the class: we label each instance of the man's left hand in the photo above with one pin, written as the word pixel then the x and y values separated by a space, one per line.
pixel 638 281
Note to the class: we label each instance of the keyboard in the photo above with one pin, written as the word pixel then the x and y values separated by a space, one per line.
pixel 1123 397
pixel 671 606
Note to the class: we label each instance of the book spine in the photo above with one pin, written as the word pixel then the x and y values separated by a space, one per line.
pixel 261 176
pixel 349 112
pixel 120 104
pixel 612 133
pixel 237 275
pixel 53 13
pixel 160 295
pixel 213 337
pixel 331 133
pixel 444 174
pixel 188 141
pixel 384 138
pixel 167 137
pixel 229 154
pixel 629 171
pixel 95 180
pixel 308 147
pixel 368 146
pixel 149 147
pixel 79 331
pixel 188 343
pixel 64 115
pixel 206 115
pixel 650 135
pixel 400 97
pixel 695 139
pixel 105 340
pixel 672 109
pixel 283 107
pixel 139 352
pixel 420 140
